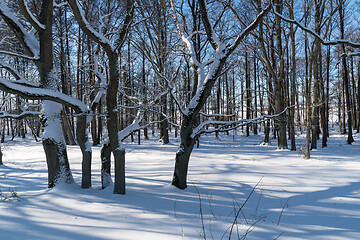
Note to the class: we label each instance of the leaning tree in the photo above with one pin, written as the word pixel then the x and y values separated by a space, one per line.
pixel 208 72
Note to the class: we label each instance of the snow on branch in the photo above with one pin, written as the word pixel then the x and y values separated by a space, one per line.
pixel 59 5
pixel 207 79
pixel 353 54
pixel 324 42
pixel 19 79
pixel 27 39
pixel 211 35
pixel 12 54
pixel 186 39
pixel 25 114
pixel 230 125
pixel 30 17
pixel 10 69
pixel 134 126
pixel 87 28
pixel 30 92
pixel 102 80
pixel 217 115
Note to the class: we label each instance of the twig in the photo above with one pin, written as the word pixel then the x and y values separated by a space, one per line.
pixel 201 213
pixel 279 235
pixel 283 210
pixel 238 212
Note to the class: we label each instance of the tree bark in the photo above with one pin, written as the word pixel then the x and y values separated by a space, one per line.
pixel 183 154
pixel 345 76
pixel 293 80
pixel 1 155
pixel 279 83
pixel 53 143
pixel 248 91
pixel 105 165
pixel 317 76
pixel 112 126
pixel 83 141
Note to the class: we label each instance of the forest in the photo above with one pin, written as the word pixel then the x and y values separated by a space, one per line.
pixel 119 70
pixel 95 74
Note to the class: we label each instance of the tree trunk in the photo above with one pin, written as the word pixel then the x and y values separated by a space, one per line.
pixel 1 155
pixel 326 97
pixel 67 127
pixel 53 142
pixel 358 97
pixel 105 166
pixel 293 80
pixel 83 141
pixel 270 106
pixel 112 118
pixel 248 92
pixel 255 130
pixel 308 99
pixel 279 84
pixel 164 131
pixel 345 75
pixel 317 76
pixel 183 153
pixel 353 94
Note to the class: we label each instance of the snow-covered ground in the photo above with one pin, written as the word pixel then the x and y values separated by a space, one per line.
pixel 294 199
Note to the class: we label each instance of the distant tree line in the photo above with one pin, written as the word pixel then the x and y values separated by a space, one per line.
pixel 97 72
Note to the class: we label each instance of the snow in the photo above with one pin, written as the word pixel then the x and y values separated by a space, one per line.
pixel 52 128
pixel 29 39
pixel 43 93
pixel 33 18
pixel 82 19
pixel 295 199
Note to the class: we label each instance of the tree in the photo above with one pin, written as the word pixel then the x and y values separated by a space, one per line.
pixel 39 51
pixel 112 51
pixel 345 74
pixel 206 81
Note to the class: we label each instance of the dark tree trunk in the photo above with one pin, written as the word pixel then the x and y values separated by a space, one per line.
pixel 279 84
pixel 183 153
pixel 255 130
pixel 358 97
pixel 112 125
pixel 54 145
pixel 105 166
pixel 317 76
pixel 1 155
pixel 164 131
pixel 83 141
pixel 293 84
pixel 326 97
pixel 57 162
pixel 345 76
pixel 248 92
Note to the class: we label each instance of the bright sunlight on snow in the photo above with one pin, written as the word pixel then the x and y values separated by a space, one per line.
pixel 294 198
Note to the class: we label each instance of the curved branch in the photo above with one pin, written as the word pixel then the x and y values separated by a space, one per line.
pixel 30 17
pixel 130 6
pixel 86 27
pixel 19 79
pixel 10 69
pixel 19 116
pixel 43 94
pixel 230 125
pixel 326 43
pixel 27 40
pixel 248 29
pixel 211 35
